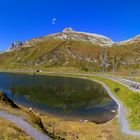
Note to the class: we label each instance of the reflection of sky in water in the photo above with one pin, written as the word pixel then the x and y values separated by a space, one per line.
pixel 58 95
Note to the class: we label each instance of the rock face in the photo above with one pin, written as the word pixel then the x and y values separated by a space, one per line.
pixel 69 33
pixel 66 30
pixel 16 45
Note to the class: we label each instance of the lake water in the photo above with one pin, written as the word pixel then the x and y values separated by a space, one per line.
pixel 69 98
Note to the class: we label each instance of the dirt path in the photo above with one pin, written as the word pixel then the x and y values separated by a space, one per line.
pixel 23 124
pixel 122 113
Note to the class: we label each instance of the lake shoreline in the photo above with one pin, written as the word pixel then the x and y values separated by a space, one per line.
pixel 124 130
pixel 90 119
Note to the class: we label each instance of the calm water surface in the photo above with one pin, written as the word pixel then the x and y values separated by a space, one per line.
pixel 69 98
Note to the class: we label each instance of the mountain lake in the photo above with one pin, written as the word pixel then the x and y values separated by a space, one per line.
pixel 69 98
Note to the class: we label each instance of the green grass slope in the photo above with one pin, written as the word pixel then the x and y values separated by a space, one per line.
pixel 49 52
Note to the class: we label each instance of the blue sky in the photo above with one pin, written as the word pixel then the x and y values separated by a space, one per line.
pixel 26 19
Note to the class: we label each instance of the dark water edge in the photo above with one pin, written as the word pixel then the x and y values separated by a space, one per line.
pixel 98 119
pixel 72 99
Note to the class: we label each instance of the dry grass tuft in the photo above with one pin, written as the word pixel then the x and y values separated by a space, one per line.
pixel 9 131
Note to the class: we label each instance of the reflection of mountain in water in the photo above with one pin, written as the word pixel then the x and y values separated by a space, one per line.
pixel 59 95
pixel 65 97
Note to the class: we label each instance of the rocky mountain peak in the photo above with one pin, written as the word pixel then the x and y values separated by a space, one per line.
pixel 69 33
pixel 69 29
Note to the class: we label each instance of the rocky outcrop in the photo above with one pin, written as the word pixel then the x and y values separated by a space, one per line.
pixel 67 30
pixel 69 33
pixel 16 45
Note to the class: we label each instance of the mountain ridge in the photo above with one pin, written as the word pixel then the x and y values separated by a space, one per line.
pixel 67 33
pixel 48 52
pixel 70 34
pixel 135 39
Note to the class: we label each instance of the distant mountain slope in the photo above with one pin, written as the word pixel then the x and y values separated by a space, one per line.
pixel 136 39
pixel 67 34
pixel 53 52
pixel 74 49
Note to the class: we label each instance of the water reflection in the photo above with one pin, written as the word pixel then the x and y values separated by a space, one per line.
pixel 70 98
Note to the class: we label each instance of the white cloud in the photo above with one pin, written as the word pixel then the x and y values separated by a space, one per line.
pixel 53 21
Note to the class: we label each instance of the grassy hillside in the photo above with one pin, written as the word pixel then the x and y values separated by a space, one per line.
pixel 82 55
pixel 51 53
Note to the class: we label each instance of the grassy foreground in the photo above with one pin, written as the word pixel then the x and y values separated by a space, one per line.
pixel 8 131
pixel 85 131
